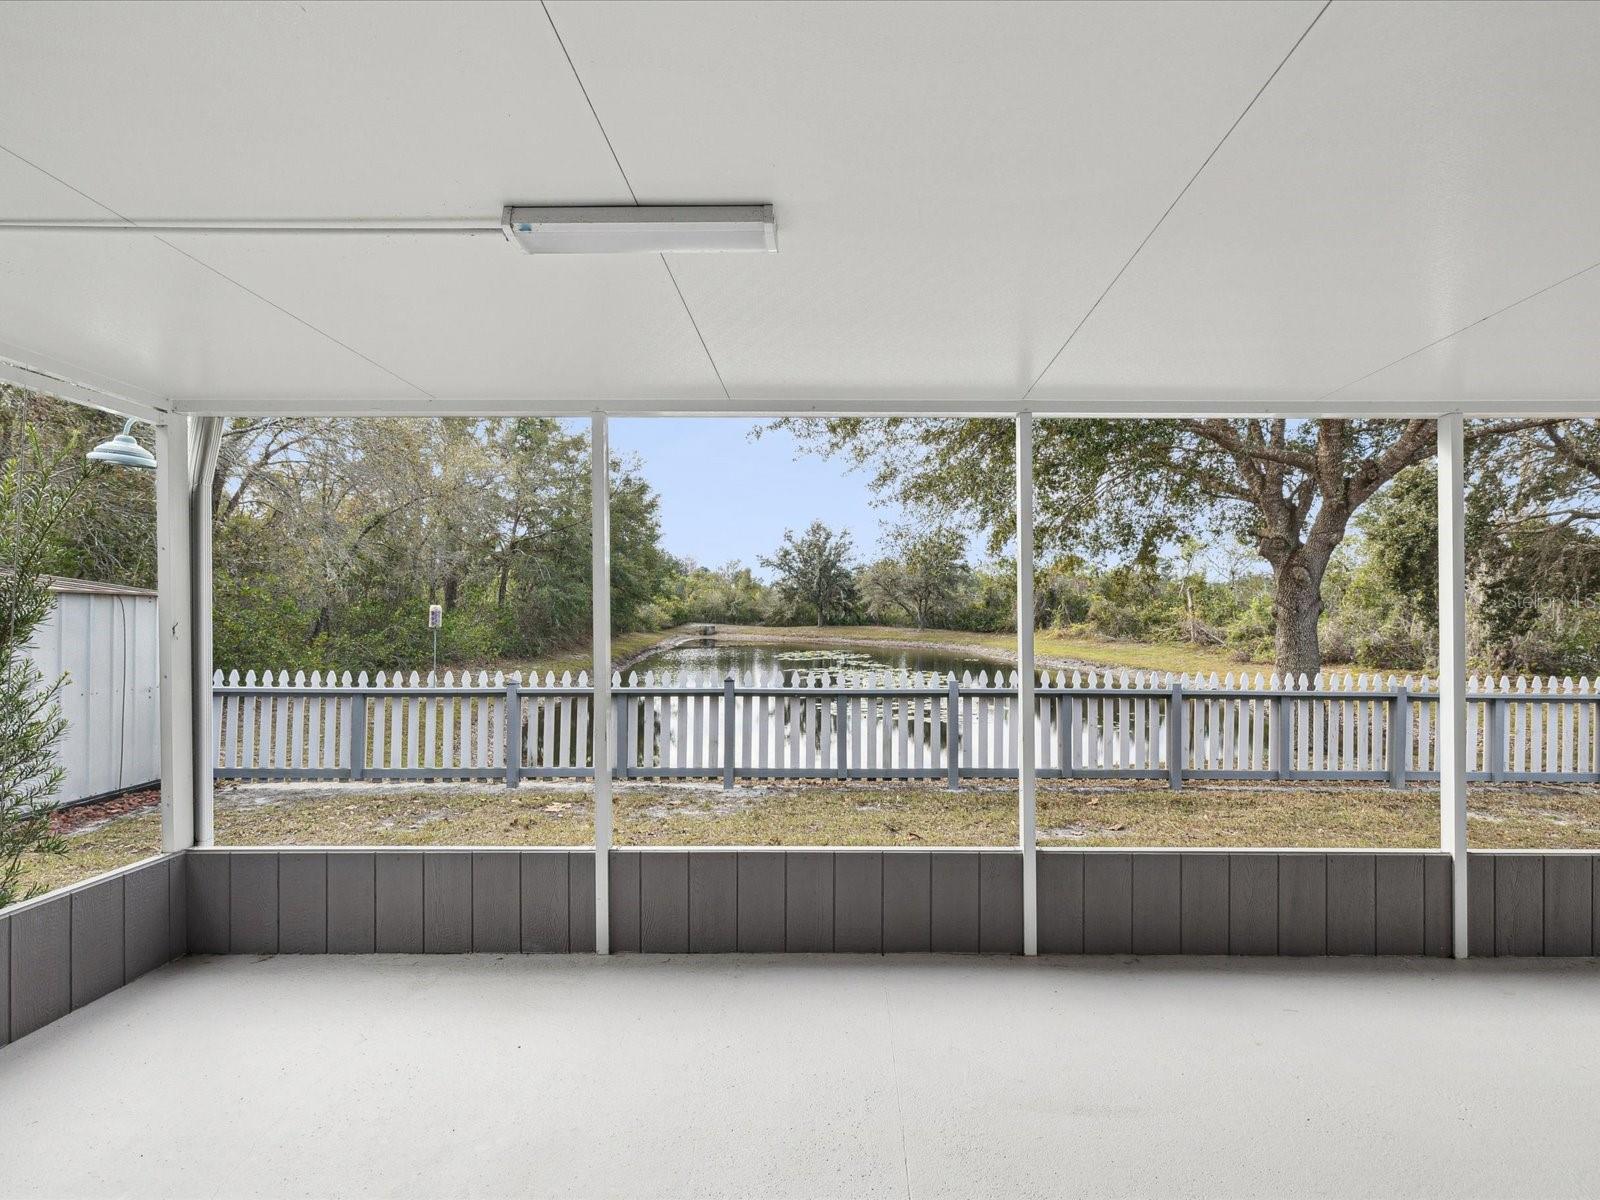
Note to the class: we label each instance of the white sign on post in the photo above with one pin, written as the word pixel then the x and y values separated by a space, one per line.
pixel 435 615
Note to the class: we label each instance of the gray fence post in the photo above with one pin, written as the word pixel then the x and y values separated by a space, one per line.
pixel 1282 737
pixel 952 736
pixel 1068 729
pixel 841 734
pixel 1175 736
pixel 1497 740
pixel 619 712
pixel 1399 736
pixel 727 733
pixel 513 734
pixel 358 736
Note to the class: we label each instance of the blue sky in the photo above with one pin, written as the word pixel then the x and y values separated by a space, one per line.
pixel 725 496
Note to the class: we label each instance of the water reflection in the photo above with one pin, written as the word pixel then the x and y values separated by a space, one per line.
pixel 762 659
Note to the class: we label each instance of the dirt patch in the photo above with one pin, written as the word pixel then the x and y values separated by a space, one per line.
pixel 87 816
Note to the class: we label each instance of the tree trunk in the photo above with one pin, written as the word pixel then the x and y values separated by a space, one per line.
pixel 1297 604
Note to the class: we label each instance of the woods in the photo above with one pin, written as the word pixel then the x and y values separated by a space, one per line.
pixel 1300 543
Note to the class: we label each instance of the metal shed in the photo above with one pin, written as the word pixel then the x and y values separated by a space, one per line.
pixel 102 637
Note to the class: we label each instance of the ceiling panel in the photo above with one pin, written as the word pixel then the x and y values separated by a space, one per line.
pixel 1550 343
pixel 134 311
pixel 477 318
pixel 345 110
pixel 1412 169
pixel 954 183
pixel 245 110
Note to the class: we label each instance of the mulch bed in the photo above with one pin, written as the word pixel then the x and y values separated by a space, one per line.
pixel 66 820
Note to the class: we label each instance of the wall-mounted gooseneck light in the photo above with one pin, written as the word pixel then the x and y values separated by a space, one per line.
pixel 124 451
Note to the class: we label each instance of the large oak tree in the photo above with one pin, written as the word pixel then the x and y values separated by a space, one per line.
pixel 1127 488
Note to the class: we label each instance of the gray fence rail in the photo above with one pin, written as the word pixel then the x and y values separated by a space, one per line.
pixel 1090 725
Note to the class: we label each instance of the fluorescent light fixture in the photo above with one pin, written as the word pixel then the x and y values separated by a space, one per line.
pixel 677 229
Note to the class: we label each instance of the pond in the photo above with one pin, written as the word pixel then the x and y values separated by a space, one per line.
pixel 761 659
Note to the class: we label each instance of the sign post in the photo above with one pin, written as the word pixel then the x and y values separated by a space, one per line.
pixel 435 619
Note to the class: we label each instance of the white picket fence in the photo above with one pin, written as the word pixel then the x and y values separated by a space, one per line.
pixel 807 725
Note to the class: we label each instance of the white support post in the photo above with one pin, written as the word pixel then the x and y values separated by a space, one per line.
pixel 175 643
pixel 1452 732
pixel 600 723
pixel 1027 823
pixel 202 470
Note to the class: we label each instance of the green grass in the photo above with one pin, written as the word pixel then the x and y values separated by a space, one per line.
pixel 624 648
pixel 1079 813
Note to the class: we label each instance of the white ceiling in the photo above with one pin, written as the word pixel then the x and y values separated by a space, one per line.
pixel 981 207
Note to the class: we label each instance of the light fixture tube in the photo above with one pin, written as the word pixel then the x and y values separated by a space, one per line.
pixel 641 229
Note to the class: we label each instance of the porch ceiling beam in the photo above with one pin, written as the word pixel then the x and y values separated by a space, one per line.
pixel 57 379
pixel 886 406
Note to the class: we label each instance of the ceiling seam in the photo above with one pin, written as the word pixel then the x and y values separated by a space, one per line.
pixel 1534 295
pixel 299 320
pixel 1115 279
pixel 628 183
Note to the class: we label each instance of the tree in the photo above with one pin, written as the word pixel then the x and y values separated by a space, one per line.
pixel 109 534
pixel 39 488
pixel 726 595
pixel 1127 488
pixel 814 570
pixel 924 577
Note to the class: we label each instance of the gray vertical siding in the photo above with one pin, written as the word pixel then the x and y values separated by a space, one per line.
pixel 858 902
pixel 808 902
pixel 178 904
pixel 303 903
pixel 497 902
pixel 1204 895
pixel 664 903
pixel 1568 906
pixel 1108 903
pixel 954 903
pixel 447 903
pixel 41 964
pixel 397 902
pixel 713 902
pixel 5 980
pixel 1157 904
pixel 1302 904
pixel 760 900
pixel 907 901
pixel 580 901
pixel 625 899
pixel 206 900
pixel 253 903
pixel 1246 902
pixel 545 902
pixel 1253 903
pixel 147 921
pixel 1060 903
pixel 99 941
pixel 352 902
pixel 1519 905
pixel 67 949
pixel 999 902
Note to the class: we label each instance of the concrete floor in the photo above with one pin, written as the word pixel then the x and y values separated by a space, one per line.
pixel 491 1076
